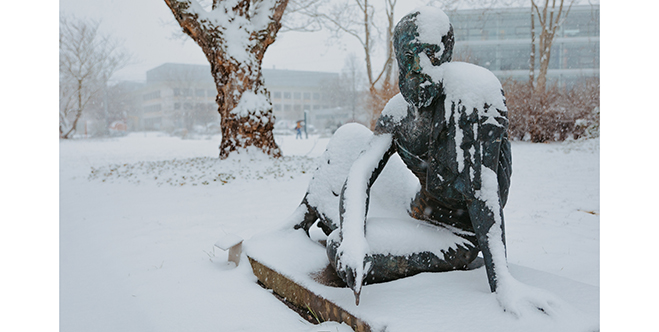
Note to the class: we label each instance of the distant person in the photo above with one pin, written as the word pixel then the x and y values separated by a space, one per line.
pixel 298 130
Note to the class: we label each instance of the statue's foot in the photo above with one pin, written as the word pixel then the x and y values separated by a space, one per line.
pixel 303 217
pixel 517 298
pixel 351 265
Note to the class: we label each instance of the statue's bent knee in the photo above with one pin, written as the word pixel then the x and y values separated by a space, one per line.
pixel 387 267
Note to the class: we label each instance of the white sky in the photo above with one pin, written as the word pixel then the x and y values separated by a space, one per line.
pixel 147 28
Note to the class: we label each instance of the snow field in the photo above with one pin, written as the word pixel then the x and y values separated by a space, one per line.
pixel 139 256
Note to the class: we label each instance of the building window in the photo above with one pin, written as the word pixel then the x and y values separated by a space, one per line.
pixel 287 95
pixel 277 107
pixel 177 106
pixel 177 92
pixel 186 92
pixel 298 95
pixel 297 108
pixel 523 31
pixel 316 96
pixel 153 108
pixel 151 95
pixel 287 108
pixel 316 107
pixel 277 95
pixel 307 95
pixel 306 108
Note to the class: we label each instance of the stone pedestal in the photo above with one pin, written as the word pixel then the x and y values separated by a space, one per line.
pixel 297 268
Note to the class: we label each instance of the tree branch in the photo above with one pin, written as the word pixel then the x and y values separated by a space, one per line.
pixel 188 18
pixel 267 34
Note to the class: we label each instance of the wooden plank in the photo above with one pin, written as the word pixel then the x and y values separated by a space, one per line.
pixel 304 298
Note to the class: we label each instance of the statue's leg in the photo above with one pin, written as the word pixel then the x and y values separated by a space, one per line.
pixel 387 267
pixel 411 247
pixel 428 208
pixel 303 217
pixel 321 201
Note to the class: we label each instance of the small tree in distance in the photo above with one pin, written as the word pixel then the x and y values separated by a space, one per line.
pixel 234 36
pixel 360 20
pixel 87 60
pixel 550 17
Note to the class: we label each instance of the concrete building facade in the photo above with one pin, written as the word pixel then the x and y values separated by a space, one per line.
pixel 500 40
pixel 183 96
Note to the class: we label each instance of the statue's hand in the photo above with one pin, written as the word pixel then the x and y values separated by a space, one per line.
pixel 352 264
pixel 517 298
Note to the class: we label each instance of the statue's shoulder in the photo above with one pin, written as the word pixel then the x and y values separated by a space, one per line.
pixel 394 112
pixel 471 85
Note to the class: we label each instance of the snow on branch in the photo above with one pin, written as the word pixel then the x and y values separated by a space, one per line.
pixel 242 26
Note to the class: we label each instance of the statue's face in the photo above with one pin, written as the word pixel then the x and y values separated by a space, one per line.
pixel 417 87
pixel 414 56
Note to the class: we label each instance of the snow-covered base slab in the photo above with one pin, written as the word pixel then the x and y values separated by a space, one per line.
pixel 448 301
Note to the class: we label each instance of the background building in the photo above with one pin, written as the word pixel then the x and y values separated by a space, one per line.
pixel 178 96
pixel 182 96
pixel 500 40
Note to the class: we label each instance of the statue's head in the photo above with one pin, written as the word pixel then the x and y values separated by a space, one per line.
pixel 422 38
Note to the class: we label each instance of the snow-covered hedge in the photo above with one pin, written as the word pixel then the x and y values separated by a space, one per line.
pixel 555 115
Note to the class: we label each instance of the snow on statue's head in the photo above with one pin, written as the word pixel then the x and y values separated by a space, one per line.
pixel 424 37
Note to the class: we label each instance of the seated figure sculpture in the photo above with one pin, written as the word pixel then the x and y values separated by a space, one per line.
pixel 449 127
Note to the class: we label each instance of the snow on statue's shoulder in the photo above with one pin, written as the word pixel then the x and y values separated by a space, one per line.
pixel 396 108
pixel 472 85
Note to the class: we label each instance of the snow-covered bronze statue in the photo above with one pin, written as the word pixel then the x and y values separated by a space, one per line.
pixel 448 126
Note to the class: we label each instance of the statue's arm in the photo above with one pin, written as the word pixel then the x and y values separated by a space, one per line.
pixel 490 195
pixel 486 212
pixel 353 208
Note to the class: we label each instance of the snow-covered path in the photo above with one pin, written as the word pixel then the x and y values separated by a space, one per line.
pixel 140 257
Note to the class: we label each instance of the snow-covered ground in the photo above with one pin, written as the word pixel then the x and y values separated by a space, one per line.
pixel 139 216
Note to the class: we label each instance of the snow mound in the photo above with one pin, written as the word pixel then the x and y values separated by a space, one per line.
pixel 203 170
pixel 331 327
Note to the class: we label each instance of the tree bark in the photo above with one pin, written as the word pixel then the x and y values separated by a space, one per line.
pixel 550 21
pixel 243 102
pixel 532 57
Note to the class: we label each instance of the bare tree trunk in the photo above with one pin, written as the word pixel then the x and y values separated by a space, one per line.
pixel 244 103
pixel 550 20
pixel 243 129
pixel 377 101
pixel 532 57
pixel 389 64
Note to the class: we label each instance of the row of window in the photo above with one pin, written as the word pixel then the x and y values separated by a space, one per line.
pixel 517 56
pixel 187 92
pixel 198 106
pixel 151 95
pixel 298 95
pixel 153 108
pixel 213 107
pixel 505 25
pixel 296 108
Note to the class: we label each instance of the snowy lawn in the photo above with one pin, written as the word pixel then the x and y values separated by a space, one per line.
pixel 139 216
